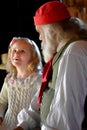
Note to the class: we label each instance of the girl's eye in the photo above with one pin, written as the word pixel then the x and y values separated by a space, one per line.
pixel 22 51
pixel 18 51
pixel 13 51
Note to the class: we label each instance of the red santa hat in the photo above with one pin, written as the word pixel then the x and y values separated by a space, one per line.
pixel 51 12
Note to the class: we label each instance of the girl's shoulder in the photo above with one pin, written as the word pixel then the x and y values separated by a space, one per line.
pixel 8 77
pixel 36 75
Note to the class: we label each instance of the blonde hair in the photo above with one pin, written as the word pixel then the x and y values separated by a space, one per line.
pixel 34 65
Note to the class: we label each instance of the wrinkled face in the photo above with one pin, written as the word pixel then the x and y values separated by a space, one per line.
pixel 20 54
pixel 47 42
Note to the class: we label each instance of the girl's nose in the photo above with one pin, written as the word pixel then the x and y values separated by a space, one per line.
pixel 17 53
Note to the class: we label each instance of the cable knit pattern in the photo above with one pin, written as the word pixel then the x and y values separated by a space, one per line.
pixel 18 94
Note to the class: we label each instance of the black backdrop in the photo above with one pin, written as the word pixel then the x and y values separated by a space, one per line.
pixel 16 19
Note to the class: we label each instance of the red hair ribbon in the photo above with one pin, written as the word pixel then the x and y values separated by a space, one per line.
pixel 13 41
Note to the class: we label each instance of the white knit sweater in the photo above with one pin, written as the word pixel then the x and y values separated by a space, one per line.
pixel 17 94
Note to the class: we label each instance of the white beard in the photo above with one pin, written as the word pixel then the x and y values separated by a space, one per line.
pixel 47 51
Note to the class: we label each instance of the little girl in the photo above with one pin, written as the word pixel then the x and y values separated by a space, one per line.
pixel 23 80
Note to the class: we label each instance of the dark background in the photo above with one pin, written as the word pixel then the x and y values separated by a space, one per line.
pixel 16 19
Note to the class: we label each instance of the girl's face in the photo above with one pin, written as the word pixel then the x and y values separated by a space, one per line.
pixel 21 54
